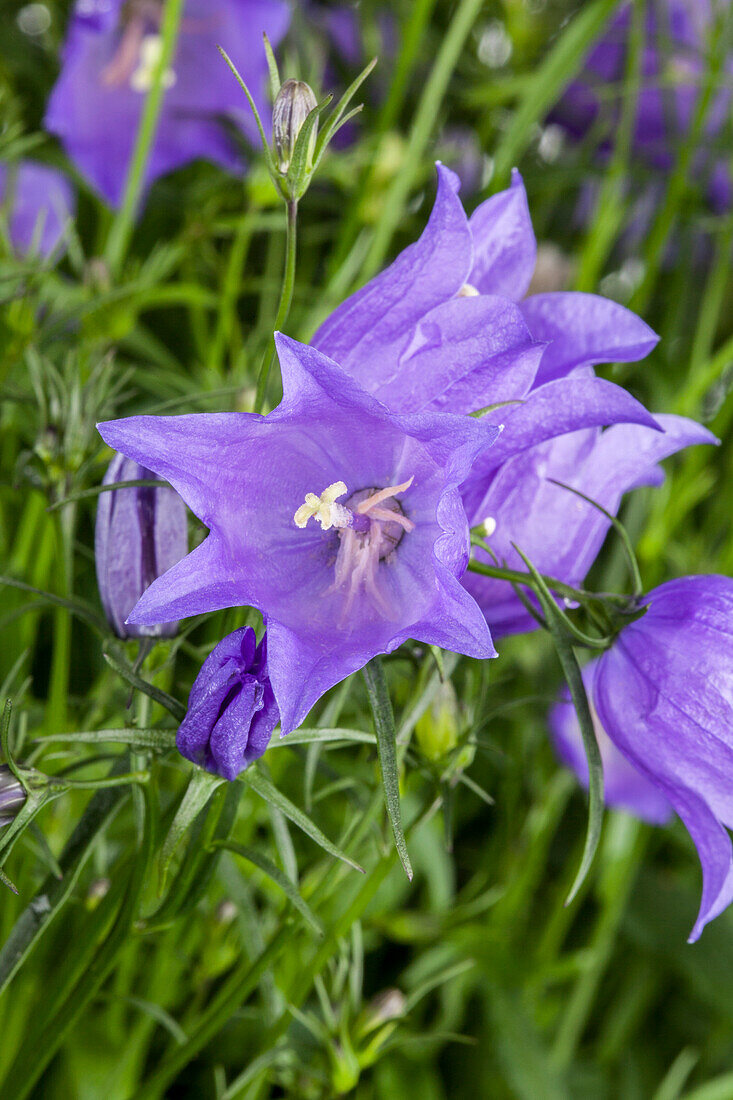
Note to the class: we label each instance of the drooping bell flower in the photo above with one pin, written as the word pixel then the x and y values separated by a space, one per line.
pixel 38 202
pixel 624 787
pixel 664 695
pixel 674 61
pixel 109 59
pixel 560 533
pixel 231 709
pixel 339 519
pixel 140 532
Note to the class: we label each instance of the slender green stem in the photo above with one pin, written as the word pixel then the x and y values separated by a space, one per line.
pixel 119 237
pixel 61 661
pixel 516 576
pixel 286 297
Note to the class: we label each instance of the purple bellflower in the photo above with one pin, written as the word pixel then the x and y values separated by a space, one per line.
pixel 673 65
pixel 624 787
pixel 664 695
pixel 447 327
pixel 140 533
pixel 39 203
pixel 110 56
pixel 231 709
pixel 339 519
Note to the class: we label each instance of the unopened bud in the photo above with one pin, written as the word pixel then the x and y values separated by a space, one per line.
pixel 293 104
pixel 140 533
pixel 12 795
pixel 388 1005
pixel 437 730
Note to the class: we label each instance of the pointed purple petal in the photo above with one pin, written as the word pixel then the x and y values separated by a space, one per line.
pixel 505 249
pixel 584 329
pixel 367 334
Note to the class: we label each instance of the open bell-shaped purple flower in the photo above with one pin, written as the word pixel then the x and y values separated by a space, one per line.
pixel 336 517
pixel 231 709
pixel 140 532
pixel 663 693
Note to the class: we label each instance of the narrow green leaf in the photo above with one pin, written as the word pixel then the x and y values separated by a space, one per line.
pixel 267 790
pixel 272 871
pixel 85 494
pixel 572 673
pixel 35 919
pixel 298 170
pixel 274 72
pixel 326 736
pixel 618 528
pixel 331 125
pixel 201 787
pixel 156 739
pixel 384 728
pixel 76 607
pixel 115 660
pixel 255 112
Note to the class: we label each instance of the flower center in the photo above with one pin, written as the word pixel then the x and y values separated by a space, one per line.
pixel 370 526
pixel 137 56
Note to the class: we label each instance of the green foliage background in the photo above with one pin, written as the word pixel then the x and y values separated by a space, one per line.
pixel 135 969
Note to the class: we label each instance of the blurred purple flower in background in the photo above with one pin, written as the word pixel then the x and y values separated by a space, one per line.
pixel 674 63
pixel 109 58
pixel 231 709
pixel 663 694
pixel 38 201
pixel 140 532
pixel 340 520
pixel 624 787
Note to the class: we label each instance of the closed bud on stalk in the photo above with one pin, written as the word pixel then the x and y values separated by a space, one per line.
pixel 12 795
pixel 293 104
pixel 141 532
pixel 437 730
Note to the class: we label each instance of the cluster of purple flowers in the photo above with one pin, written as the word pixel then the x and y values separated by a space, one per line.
pixel 344 514
pixel 437 398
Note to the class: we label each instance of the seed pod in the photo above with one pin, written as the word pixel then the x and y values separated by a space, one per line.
pixel 293 104
pixel 141 532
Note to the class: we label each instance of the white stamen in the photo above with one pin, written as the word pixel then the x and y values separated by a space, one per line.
pixel 368 533
pixel 489 526
pixel 468 291
pixel 151 49
pixel 324 509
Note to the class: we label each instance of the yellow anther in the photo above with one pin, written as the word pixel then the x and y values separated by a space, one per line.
pixel 151 48
pixel 324 508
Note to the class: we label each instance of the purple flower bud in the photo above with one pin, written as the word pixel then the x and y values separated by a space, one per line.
pixel 664 695
pixel 293 104
pixel 12 795
pixel 231 709
pixel 141 532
